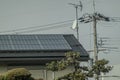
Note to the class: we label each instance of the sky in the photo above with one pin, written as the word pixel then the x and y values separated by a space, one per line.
pixel 33 16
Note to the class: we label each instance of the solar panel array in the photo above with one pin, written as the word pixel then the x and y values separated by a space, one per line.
pixel 33 42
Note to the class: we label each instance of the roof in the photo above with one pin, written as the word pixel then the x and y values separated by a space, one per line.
pixel 33 48
pixel 33 42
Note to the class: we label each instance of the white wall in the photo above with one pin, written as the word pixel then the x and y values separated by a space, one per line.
pixel 59 73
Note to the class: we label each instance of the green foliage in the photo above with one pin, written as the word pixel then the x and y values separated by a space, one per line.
pixel 62 64
pixel 39 79
pixel 101 66
pixel 90 74
pixel 72 57
pixel 18 74
pixel 80 72
pixel 1 77
pixel 77 75
pixel 52 66
pixel 56 65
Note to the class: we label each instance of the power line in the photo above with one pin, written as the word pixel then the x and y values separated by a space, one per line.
pixel 33 27
pixel 46 28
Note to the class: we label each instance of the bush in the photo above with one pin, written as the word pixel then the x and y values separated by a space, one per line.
pixel 39 79
pixel 1 77
pixel 18 74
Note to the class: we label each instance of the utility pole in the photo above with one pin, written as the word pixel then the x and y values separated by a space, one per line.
pixel 94 18
pixel 95 43
pixel 95 34
pixel 95 38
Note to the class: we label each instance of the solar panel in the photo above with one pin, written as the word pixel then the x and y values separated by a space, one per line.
pixel 33 42
pixel 53 42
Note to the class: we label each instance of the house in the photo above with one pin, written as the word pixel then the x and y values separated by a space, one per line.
pixel 33 51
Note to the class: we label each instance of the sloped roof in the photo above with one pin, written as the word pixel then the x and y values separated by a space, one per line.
pixel 33 42
pixel 38 48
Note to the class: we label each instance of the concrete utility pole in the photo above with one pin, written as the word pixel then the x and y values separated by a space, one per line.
pixel 94 18
pixel 95 43
pixel 95 34
pixel 95 39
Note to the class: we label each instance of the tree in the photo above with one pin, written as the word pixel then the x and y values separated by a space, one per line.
pixel 101 66
pixel 56 66
pixel 80 72
pixel 71 59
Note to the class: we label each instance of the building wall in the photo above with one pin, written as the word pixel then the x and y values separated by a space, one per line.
pixel 57 74
pixel 37 74
pixel 3 68
pixel 39 71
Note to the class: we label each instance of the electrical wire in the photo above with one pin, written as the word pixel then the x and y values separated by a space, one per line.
pixel 33 27
pixel 46 28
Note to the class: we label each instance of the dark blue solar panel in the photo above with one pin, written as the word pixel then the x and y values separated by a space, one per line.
pixel 53 42
pixel 33 42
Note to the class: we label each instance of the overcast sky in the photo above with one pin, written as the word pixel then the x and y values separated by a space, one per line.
pixel 32 14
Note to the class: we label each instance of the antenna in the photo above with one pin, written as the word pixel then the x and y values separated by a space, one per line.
pixel 94 6
pixel 81 6
pixel 75 23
